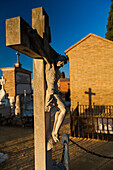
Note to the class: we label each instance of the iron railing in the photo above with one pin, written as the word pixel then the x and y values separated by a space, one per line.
pixel 92 122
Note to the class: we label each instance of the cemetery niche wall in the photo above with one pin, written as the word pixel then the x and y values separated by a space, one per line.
pixel 91 86
pixel 17 83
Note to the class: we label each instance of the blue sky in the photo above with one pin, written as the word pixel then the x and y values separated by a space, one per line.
pixel 70 21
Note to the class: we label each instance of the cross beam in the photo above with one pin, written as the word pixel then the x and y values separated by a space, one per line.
pixel 33 42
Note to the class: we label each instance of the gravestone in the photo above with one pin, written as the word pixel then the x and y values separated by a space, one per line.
pixel 34 42
pixel 2 82
pixel 3 97
pixel 2 91
pixel 4 101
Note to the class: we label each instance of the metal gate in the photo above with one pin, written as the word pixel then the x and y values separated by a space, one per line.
pixel 92 122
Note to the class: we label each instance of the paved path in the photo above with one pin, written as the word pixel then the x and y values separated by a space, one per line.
pixel 84 154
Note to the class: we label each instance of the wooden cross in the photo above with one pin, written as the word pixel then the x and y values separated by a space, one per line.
pixel 90 99
pixel 34 42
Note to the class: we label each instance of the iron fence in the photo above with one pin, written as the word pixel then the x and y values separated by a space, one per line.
pixel 92 122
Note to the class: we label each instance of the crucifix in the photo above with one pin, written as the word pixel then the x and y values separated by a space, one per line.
pixel 90 97
pixel 34 42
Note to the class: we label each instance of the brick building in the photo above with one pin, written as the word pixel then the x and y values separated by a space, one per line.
pixel 91 67
pixel 64 88
pixel 64 85
pixel 17 80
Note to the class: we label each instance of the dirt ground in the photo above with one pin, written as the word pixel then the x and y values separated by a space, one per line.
pixel 84 154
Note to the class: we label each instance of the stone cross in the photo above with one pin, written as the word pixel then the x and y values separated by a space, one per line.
pixel 90 94
pixel 18 63
pixel 34 42
pixel 17 56
pixel 2 82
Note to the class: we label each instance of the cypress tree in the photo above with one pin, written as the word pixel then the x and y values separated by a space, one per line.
pixel 62 75
pixel 109 34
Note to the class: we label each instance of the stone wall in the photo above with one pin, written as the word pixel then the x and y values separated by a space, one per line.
pixel 91 66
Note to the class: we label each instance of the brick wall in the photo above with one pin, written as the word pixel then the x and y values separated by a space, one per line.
pixel 9 76
pixel 17 80
pixel 64 85
pixel 91 66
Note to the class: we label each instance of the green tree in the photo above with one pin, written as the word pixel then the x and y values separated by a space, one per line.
pixel 62 75
pixel 109 34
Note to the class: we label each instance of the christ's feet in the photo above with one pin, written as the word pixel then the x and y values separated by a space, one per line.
pixel 55 137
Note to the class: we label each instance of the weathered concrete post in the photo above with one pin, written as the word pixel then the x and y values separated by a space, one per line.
pixel 42 158
pixel 39 114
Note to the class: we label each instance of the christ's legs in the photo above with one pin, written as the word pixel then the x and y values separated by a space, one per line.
pixel 59 117
pixel 56 119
